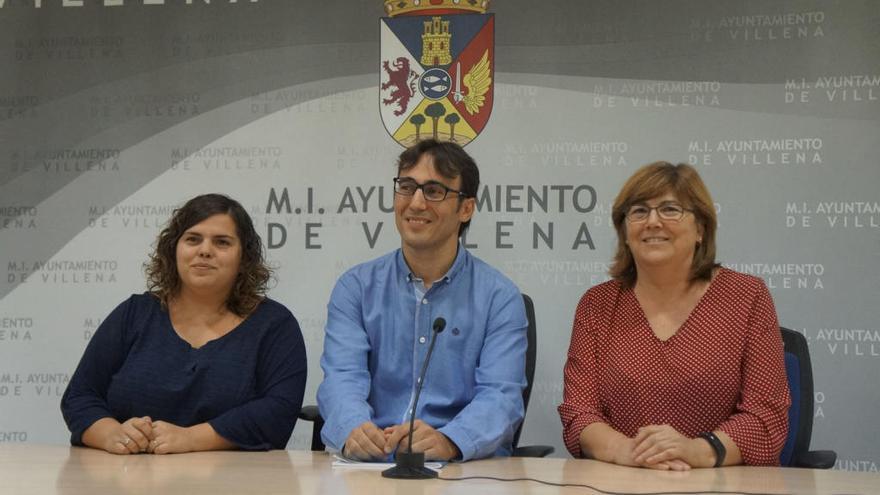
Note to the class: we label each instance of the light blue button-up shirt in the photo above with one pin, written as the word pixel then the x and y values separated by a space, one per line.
pixel 378 331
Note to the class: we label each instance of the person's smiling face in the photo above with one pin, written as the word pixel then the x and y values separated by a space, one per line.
pixel 655 241
pixel 209 254
pixel 430 225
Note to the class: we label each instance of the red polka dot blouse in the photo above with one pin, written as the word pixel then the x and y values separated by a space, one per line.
pixel 723 368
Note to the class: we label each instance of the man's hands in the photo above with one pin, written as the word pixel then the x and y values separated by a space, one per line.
pixel 435 445
pixel 368 442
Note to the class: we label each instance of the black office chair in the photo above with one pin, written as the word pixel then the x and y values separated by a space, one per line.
pixel 796 452
pixel 531 358
pixel 310 413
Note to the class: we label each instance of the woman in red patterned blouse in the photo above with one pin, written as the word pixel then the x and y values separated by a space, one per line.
pixel 676 362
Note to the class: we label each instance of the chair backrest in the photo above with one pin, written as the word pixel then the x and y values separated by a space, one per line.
pixel 531 356
pixel 800 385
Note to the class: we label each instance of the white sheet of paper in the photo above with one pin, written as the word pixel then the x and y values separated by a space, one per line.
pixel 342 462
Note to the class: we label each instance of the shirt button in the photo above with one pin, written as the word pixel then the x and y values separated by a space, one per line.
pixel 424 301
pixel 422 340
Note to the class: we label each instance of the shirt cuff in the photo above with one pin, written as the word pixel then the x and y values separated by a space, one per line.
pixel 227 429
pixel 335 433
pixel 572 432
pixel 465 444
pixel 88 418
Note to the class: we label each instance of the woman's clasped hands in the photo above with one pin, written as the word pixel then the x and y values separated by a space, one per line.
pixel 663 447
pixel 143 435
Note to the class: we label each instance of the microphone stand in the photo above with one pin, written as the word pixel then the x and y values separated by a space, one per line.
pixel 411 465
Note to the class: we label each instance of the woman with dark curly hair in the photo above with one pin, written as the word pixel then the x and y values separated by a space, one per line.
pixel 203 360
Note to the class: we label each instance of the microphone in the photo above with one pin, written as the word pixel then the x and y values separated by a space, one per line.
pixel 411 465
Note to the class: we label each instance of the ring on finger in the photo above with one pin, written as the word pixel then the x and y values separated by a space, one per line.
pixel 126 441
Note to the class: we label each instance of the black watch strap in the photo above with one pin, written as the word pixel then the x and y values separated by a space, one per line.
pixel 717 446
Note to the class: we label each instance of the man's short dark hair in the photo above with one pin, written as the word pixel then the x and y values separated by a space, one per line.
pixel 450 161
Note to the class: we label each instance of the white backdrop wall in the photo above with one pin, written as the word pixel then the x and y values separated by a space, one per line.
pixel 114 112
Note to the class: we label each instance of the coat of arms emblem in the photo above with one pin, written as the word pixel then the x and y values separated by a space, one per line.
pixel 437 69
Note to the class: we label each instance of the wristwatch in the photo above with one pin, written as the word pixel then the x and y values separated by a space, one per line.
pixel 717 446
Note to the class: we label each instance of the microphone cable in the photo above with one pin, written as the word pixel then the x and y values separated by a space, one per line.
pixel 608 492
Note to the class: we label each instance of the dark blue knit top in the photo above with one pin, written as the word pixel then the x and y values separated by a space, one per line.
pixel 248 384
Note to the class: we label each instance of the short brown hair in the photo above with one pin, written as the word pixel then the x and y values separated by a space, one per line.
pixel 251 284
pixel 651 181
pixel 450 161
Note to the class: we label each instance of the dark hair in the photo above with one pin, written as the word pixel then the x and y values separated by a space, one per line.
pixel 450 161
pixel 250 285
pixel 651 181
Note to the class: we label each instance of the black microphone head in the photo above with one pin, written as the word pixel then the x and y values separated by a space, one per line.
pixel 439 325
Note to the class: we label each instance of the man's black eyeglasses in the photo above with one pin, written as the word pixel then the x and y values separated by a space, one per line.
pixel 432 191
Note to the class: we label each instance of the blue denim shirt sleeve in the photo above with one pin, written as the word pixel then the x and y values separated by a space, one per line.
pixel 486 425
pixel 342 395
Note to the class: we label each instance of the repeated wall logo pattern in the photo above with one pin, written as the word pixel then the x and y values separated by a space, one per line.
pixel 113 112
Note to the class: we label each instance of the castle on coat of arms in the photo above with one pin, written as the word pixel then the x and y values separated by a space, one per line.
pixel 435 43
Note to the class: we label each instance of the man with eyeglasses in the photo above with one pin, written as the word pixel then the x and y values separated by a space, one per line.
pixel 379 327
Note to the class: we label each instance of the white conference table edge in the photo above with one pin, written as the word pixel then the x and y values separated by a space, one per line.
pixel 42 469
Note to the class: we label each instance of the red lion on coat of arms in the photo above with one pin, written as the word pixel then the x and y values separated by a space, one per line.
pixel 403 80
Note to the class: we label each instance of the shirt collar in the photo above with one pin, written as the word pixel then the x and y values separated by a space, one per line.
pixel 461 258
